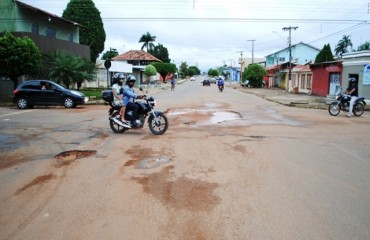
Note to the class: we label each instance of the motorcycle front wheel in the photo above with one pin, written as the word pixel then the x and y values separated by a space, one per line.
pixel 358 109
pixel 158 125
pixel 334 109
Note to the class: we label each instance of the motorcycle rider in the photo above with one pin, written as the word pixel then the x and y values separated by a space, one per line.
pixel 118 97
pixel 220 83
pixel 129 97
pixel 351 90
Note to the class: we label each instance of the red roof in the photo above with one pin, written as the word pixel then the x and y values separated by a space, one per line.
pixel 136 55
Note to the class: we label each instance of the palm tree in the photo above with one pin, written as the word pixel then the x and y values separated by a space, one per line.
pixel 69 69
pixel 147 39
pixel 343 45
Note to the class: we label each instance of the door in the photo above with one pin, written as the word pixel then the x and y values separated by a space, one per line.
pixel 334 83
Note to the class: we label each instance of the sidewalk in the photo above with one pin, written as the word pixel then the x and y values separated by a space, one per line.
pixel 288 99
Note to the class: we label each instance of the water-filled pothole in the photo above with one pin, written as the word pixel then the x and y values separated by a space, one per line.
pixel 152 162
pixel 203 117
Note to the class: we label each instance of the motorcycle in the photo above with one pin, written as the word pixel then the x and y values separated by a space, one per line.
pixel 158 122
pixel 342 103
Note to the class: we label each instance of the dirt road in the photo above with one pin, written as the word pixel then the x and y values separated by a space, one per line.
pixel 231 166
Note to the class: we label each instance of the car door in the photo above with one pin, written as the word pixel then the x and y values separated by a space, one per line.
pixel 32 91
pixel 49 95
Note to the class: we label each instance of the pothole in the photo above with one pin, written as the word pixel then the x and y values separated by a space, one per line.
pixel 69 156
pixel 203 117
pixel 152 162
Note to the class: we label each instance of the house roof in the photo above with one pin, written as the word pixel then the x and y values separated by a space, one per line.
pixel 301 68
pixel 301 43
pixel 23 5
pixel 136 55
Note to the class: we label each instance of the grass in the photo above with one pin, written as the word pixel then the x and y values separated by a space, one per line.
pixel 93 92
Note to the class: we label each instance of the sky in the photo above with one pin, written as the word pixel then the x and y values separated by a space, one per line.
pixel 211 33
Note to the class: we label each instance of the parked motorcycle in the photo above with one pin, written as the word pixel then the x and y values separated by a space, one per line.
pixel 158 123
pixel 342 103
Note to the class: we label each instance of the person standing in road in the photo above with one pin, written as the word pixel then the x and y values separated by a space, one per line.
pixel 351 90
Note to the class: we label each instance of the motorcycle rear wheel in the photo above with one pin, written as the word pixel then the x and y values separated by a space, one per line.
pixel 334 109
pixel 159 127
pixel 115 127
pixel 358 109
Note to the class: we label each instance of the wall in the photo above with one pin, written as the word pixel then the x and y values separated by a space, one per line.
pixel 321 76
pixel 354 63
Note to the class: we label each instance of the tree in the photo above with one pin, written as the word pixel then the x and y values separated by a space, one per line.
pixel 160 52
pixel 147 39
pixel 325 55
pixel 343 45
pixel 213 72
pixel 193 70
pixel 164 69
pixel 92 32
pixel 108 55
pixel 365 46
pixel 184 69
pixel 150 70
pixel 70 69
pixel 254 73
pixel 18 56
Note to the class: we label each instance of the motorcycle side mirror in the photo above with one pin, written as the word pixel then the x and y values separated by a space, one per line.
pixel 141 89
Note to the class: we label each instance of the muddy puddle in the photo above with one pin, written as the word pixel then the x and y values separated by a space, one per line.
pixel 152 162
pixel 65 158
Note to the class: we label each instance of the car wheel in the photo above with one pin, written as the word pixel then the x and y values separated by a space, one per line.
pixel 69 102
pixel 22 103
pixel 248 85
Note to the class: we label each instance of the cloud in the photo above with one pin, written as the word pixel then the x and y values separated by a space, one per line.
pixel 211 32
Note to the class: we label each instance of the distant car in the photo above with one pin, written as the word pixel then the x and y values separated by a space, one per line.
pixel 213 80
pixel 207 82
pixel 192 79
pixel 246 83
pixel 46 93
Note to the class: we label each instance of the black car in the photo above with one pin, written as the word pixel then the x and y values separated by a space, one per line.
pixel 46 93
pixel 206 81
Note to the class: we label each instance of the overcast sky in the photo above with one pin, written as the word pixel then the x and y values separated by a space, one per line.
pixel 209 33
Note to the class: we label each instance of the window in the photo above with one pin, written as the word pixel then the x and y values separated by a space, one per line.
pixel 35 28
pixel 35 85
pixel 309 81
pixel 281 59
pixel 303 81
pixel 50 32
pixel 70 37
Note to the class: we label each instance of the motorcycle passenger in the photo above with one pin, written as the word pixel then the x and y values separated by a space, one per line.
pixel 351 90
pixel 129 97
pixel 118 97
pixel 220 83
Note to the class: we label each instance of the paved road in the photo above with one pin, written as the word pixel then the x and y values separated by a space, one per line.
pixel 231 166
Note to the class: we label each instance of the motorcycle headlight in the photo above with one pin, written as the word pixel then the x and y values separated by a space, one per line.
pixel 337 97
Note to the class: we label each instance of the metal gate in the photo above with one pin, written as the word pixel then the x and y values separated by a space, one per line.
pixel 334 84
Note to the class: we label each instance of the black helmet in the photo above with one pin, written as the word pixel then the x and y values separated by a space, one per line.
pixel 352 79
pixel 131 78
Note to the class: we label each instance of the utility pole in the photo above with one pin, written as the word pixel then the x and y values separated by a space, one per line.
pixel 241 64
pixel 290 49
pixel 252 49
